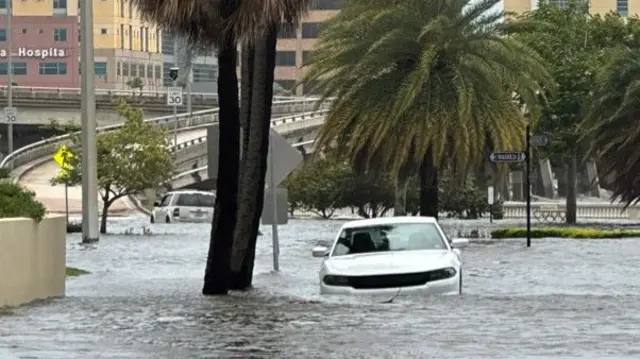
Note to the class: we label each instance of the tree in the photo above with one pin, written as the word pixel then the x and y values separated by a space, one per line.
pixel 612 122
pixel 130 159
pixel 423 83
pixel 136 83
pixel 226 24
pixel 16 201
pixel 575 45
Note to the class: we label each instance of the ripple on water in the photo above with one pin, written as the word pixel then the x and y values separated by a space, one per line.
pixel 559 298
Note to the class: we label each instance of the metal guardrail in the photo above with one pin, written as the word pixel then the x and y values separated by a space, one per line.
pixel 20 92
pixel 184 122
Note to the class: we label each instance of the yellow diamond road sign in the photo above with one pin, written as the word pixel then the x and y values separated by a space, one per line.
pixel 62 157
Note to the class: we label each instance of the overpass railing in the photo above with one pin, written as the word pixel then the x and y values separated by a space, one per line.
pixel 185 122
pixel 185 153
pixel 56 93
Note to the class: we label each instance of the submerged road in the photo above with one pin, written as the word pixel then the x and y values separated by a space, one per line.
pixel 557 299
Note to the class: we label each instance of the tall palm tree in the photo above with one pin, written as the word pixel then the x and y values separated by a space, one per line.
pixel 424 81
pixel 227 24
pixel 612 123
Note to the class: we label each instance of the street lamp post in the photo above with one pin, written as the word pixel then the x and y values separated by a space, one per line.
pixel 88 117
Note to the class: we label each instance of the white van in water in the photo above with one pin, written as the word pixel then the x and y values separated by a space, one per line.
pixel 184 206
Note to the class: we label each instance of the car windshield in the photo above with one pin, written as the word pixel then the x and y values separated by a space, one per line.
pixel 196 200
pixel 392 237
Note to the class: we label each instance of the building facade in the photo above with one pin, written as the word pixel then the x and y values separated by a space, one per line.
pixel 46 45
pixel 622 7
pixel 295 44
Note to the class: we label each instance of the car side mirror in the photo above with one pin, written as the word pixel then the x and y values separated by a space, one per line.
pixel 320 251
pixel 459 243
pixel 156 204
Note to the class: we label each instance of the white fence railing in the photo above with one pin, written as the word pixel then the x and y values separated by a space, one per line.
pixel 184 122
pixel 20 92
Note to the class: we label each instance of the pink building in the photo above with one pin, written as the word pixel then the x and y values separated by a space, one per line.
pixel 46 51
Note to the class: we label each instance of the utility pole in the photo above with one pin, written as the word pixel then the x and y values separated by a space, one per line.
pixel 175 84
pixel 528 179
pixel 88 117
pixel 10 77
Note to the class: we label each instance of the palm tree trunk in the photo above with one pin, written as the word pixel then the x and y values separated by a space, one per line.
pixel 226 207
pixel 238 278
pixel 572 206
pixel 428 187
pixel 253 182
pixel 402 181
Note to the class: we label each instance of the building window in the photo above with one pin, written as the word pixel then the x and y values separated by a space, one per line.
pixel 3 7
pixel 118 68
pixel 130 9
pixel 134 70
pixel 100 68
pixel 122 7
pixel 103 31
pixel 158 47
pixel 311 30
pixel 287 31
pixel 60 34
pixel 130 37
pixel 158 72
pixel 53 68
pixel 3 68
pixel 327 4
pixel 306 57
pixel 204 73
pixel 622 7
pixel 125 69
pixel 19 68
pixel 286 58
pixel 150 71
pixel 121 36
pixel 3 34
pixel 60 7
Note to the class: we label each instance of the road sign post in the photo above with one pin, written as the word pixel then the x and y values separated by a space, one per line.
pixel 10 114
pixel 490 200
pixel 174 98
pixel 62 158
pixel 527 137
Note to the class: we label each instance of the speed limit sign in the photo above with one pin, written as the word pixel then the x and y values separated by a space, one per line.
pixel 174 96
pixel 10 114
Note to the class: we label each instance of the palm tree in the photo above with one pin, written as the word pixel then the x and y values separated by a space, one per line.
pixel 428 82
pixel 226 24
pixel 612 123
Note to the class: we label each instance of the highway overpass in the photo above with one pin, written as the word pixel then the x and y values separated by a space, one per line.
pixel 34 167
pixel 37 105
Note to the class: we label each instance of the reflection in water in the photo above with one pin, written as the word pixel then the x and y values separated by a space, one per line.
pixel 558 299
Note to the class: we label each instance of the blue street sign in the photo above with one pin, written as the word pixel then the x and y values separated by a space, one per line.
pixel 507 157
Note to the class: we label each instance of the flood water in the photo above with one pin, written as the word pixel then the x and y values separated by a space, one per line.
pixel 557 299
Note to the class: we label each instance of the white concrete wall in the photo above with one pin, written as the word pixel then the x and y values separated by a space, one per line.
pixel 32 259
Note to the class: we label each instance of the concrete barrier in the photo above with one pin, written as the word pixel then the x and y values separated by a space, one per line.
pixel 32 259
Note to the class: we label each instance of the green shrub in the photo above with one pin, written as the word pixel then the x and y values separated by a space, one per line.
pixel 5 173
pixel 16 201
pixel 563 232
pixel 75 272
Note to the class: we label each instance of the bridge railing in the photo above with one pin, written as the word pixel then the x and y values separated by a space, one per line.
pixel 185 122
pixel 56 93
pixel 195 149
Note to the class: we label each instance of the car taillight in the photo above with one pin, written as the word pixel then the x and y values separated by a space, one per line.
pixel 176 212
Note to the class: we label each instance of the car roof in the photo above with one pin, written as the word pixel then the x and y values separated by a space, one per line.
pixel 388 220
pixel 191 191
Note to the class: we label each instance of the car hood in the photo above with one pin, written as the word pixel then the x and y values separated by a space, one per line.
pixel 391 262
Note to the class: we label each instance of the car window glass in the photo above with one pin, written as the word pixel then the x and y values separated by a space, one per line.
pixel 395 237
pixel 196 200
pixel 165 200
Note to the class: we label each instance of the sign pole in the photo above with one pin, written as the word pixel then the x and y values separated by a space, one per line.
pixel 66 200
pixel 490 201
pixel 274 204
pixel 10 77
pixel 528 180
pixel 88 108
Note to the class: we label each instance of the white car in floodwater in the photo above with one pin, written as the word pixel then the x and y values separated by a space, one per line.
pixel 184 206
pixel 391 256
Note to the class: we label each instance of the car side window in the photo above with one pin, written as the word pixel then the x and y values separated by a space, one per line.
pixel 165 200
